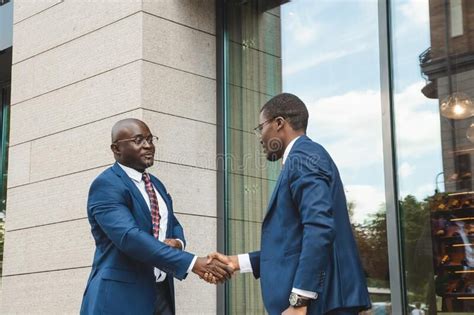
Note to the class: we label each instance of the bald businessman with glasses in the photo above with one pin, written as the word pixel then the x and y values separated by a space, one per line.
pixel 139 241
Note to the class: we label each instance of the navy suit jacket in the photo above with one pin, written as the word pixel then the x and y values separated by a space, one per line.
pixel 307 241
pixel 122 279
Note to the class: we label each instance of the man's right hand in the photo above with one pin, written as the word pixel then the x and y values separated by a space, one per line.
pixel 231 261
pixel 212 272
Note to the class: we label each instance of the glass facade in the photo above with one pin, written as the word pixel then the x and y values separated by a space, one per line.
pixel 6 24
pixel 329 54
pixel 271 49
pixel 339 84
pixel 4 119
pixel 6 35
pixel 433 86
pixel 253 77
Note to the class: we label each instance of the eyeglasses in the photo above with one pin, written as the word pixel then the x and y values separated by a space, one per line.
pixel 140 140
pixel 258 130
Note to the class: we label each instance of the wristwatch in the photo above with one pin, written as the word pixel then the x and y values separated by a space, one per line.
pixel 298 301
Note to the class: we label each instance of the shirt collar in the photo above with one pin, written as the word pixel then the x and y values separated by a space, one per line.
pixel 288 149
pixel 132 173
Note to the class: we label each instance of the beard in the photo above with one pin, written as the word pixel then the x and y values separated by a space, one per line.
pixel 149 163
pixel 275 148
pixel 273 156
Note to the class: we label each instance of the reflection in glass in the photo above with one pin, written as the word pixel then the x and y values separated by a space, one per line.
pixel 4 136
pixel 470 133
pixel 328 53
pixel 457 106
pixel 289 46
pixel 254 76
pixel 437 218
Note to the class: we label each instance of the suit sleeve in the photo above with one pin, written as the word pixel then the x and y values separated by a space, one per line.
pixel 310 190
pixel 107 205
pixel 255 262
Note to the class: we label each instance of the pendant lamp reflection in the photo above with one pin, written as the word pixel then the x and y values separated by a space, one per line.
pixel 470 133
pixel 457 106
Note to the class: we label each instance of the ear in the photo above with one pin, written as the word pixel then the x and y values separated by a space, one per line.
pixel 115 148
pixel 280 123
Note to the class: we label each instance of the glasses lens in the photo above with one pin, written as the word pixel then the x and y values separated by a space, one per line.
pixel 139 140
pixel 258 131
pixel 150 139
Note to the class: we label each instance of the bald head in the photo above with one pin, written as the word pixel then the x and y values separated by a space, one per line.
pixel 121 129
pixel 128 144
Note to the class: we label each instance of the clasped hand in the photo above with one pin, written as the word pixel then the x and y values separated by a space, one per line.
pixel 215 268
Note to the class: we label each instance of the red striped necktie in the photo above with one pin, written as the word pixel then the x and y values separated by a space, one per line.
pixel 154 208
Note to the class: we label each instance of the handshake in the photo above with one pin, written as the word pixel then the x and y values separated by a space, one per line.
pixel 216 267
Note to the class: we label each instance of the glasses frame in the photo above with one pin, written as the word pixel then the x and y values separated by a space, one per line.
pixel 258 130
pixel 148 140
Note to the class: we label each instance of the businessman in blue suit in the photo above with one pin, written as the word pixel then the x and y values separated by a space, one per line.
pixel 308 262
pixel 139 242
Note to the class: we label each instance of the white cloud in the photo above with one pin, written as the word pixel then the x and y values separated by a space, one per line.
pixel 416 11
pixel 417 123
pixel 308 32
pixel 301 23
pixel 350 126
pixel 412 17
pixel 367 199
pixel 297 65
pixel 421 192
pixel 425 190
pixel 302 28
pixel 405 169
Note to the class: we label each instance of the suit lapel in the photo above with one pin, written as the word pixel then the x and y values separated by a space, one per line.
pixel 277 186
pixel 134 190
pixel 274 194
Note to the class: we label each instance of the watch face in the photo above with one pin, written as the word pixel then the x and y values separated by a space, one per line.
pixel 293 299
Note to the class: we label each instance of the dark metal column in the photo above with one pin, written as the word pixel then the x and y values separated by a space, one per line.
pixel 221 193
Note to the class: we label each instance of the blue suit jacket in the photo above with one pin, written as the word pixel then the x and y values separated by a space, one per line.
pixel 122 279
pixel 307 241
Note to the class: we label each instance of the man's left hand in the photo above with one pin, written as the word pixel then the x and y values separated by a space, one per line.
pixel 295 310
pixel 216 271
pixel 173 243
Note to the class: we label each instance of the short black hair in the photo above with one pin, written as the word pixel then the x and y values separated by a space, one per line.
pixel 290 107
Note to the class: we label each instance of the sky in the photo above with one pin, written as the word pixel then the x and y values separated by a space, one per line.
pixel 330 59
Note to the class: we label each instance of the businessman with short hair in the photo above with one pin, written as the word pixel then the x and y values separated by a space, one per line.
pixel 308 262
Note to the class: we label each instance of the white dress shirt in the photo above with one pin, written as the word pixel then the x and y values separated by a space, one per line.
pixel 137 179
pixel 244 259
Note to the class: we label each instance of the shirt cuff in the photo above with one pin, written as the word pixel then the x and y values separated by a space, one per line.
pixel 304 293
pixel 191 266
pixel 244 263
pixel 182 243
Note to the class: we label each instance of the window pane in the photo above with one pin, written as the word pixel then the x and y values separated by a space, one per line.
pixel 6 31
pixel 456 18
pixel 331 60
pixel 254 76
pixel 6 25
pixel 433 86
pixel 291 46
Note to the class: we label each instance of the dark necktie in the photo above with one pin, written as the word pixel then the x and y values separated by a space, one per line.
pixel 155 210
